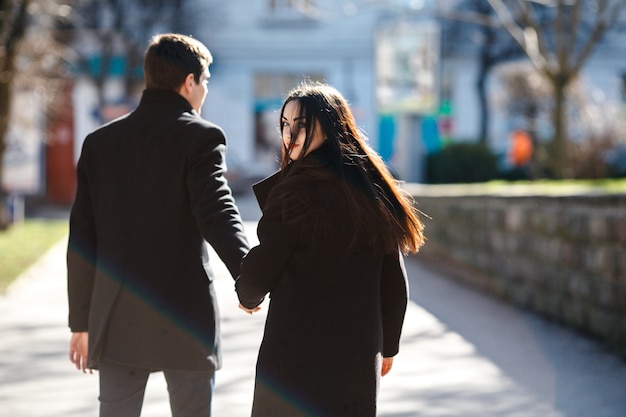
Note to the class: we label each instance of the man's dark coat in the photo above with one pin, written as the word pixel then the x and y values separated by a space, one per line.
pixel 334 309
pixel 151 190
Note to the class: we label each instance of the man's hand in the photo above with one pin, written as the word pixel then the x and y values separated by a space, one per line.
pixel 78 351
pixel 387 364
pixel 250 310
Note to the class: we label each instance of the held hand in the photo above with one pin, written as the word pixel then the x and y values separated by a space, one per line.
pixel 78 351
pixel 387 364
pixel 250 310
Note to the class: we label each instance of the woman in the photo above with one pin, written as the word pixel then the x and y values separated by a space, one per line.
pixel 333 226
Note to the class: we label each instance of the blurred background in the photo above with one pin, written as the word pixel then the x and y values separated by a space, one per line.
pixel 447 91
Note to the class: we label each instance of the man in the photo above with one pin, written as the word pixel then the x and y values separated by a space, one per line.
pixel 151 190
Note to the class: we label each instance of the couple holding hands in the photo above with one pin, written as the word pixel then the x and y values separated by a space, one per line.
pixel 151 190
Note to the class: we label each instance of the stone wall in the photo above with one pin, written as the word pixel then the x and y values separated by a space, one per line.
pixel 563 257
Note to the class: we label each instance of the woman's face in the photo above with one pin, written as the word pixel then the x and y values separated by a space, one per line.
pixel 292 121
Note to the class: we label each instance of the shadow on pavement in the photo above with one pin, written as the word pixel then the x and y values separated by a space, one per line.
pixel 463 354
pixel 575 375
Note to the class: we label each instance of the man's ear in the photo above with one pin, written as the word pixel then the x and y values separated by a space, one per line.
pixel 187 86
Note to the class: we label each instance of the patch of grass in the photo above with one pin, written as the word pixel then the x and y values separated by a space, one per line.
pixel 606 185
pixel 540 187
pixel 23 243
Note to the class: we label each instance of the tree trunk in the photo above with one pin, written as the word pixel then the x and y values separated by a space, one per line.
pixel 559 144
pixel 486 63
pixel 482 98
pixel 6 88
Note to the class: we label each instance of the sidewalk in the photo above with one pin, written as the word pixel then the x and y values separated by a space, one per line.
pixel 462 354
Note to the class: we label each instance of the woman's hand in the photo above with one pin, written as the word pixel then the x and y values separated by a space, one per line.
pixel 250 310
pixel 387 364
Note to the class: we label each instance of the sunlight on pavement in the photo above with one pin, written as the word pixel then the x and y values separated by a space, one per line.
pixel 437 373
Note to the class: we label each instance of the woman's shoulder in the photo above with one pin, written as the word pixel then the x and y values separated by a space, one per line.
pixel 302 196
pixel 304 187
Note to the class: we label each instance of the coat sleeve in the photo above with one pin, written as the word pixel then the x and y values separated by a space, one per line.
pixel 394 299
pixel 212 201
pixel 263 266
pixel 81 251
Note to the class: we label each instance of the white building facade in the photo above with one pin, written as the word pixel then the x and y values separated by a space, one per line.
pixel 383 55
pixel 265 48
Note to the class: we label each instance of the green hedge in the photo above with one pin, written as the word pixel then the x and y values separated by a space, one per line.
pixel 462 163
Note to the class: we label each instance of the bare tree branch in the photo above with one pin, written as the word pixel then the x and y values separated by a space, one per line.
pixel 575 22
pixel 507 21
pixel 527 36
pixel 561 49
pixel 530 19
pixel 607 17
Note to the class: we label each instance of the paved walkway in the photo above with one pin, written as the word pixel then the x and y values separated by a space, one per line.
pixel 462 355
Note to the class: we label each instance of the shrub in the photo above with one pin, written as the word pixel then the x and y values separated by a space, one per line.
pixel 462 163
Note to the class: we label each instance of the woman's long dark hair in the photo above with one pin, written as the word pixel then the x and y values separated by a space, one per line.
pixel 374 200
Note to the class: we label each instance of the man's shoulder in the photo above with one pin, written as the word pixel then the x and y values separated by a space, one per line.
pixel 103 134
pixel 109 126
pixel 195 120
pixel 196 127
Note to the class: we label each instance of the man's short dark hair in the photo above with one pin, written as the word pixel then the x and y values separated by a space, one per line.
pixel 171 57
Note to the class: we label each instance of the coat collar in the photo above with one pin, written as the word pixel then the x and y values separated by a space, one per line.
pixel 156 96
pixel 263 188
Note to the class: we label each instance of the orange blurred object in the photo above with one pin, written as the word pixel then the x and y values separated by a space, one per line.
pixel 521 148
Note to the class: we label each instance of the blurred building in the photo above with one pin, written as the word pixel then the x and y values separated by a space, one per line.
pixel 410 91
pixel 262 49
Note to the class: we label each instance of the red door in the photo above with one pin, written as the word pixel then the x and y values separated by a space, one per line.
pixel 60 169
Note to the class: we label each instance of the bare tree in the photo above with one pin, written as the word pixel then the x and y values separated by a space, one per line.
pixel 12 29
pixel 29 53
pixel 558 47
